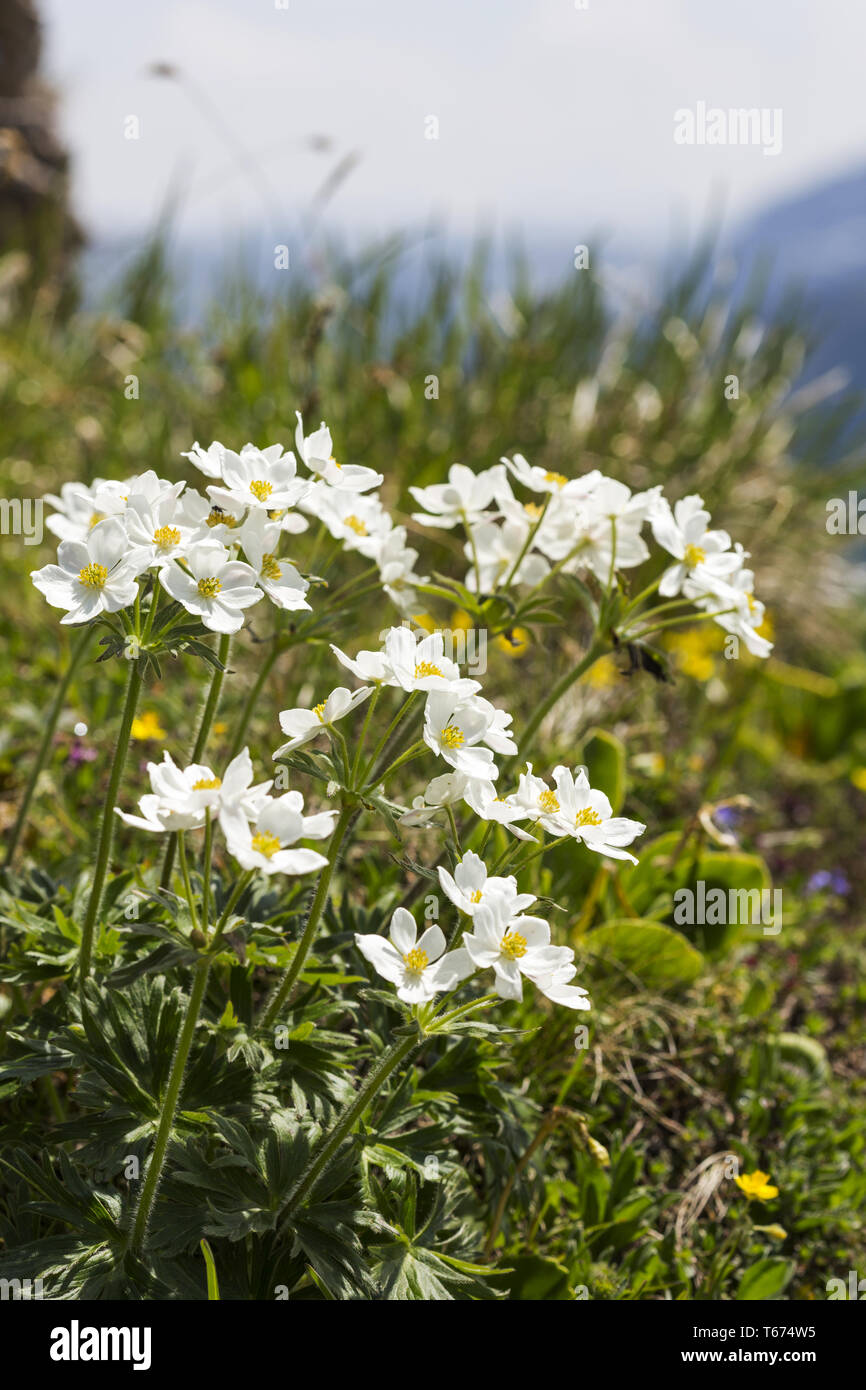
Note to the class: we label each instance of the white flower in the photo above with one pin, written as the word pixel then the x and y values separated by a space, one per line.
pixel 396 561
pixel 464 498
pixel 302 725
pixel 746 612
pixel 264 478
pixel 535 799
pixel 481 798
pixel 207 521
pixel 367 666
pixel 217 588
pixel 209 461
pixel 610 516
pixel 512 947
pixel 317 451
pixel 360 522
pixel 454 728
pixel 415 664
pixel 266 844
pixel 470 885
pixel 180 798
pixel 419 969
pixel 586 815
pixel 279 579
pixel 557 989
pixel 156 528
pixel 683 533
pixel 540 480
pixel 93 576
pixel 78 510
pixel 497 735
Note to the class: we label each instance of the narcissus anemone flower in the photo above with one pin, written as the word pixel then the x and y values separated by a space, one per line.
pixel 587 815
pixel 93 576
pixel 683 533
pixel 302 725
pixel 418 968
pixel 513 947
pixel 470 885
pixel 266 845
pixel 757 1186
pixel 215 586
pixel 264 478
pixel 455 728
pixel 180 797
pixel 464 498
pixel 279 579
pixel 317 451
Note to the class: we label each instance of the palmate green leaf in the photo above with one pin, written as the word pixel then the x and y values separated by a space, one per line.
pixel 42 1058
pixel 407 1272
pixel 328 1233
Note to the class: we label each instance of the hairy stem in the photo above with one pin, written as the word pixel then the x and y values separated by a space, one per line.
pixel 75 659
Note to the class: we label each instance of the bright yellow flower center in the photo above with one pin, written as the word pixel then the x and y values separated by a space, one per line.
pixel 96 518
pixel 532 509
pixel 513 945
pixel 694 556
pixel 426 668
pixel 266 844
pixel 319 711
pixel 209 587
pixel 207 784
pixel 476 896
pixel 587 817
pixel 548 801
pixel 260 489
pixel 452 737
pixel 166 537
pixel 270 567
pixel 356 525
pixel 416 960
pixel 558 478
pixel 217 517
pixel 276 514
pixel 93 576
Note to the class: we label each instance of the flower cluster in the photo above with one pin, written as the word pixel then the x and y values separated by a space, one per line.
pixel 590 524
pixel 260 830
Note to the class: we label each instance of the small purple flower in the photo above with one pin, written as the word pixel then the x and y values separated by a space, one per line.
pixel 828 879
pixel 727 817
pixel 80 753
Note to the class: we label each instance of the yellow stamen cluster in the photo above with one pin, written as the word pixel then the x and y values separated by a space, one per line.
pixel 452 737
pixel 208 588
pixel 426 668
pixel 558 478
pixel 207 784
pixel 260 489
pixel 217 517
pixel 476 896
pixel 334 462
pixel 266 844
pixel 532 509
pixel 356 525
pixel 93 576
pixel 319 711
pixel 166 536
pixel 548 801
pixel 693 556
pixel 95 519
pixel 587 817
pixel 276 514
pixel 513 945
pixel 270 567
pixel 416 960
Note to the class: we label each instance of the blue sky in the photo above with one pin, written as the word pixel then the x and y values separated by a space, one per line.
pixel 551 117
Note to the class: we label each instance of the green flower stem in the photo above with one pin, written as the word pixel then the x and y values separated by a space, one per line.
pixel 675 622
pixel 184 871
pixel 388 1063
pixel 284 989
pixel 75 659
pixel 596 649
pixel 362 740
pixel 207 719
pixel 441 1022
pixel 414 751
pixel 385 740
pixel 169 1105
pixel 236 892
pixel 106 833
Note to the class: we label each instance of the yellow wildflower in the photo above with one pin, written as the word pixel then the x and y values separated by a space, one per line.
pixel 147 726
pixel 757 1185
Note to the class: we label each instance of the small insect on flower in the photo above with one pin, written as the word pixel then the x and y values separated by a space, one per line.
pixel 757 1186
